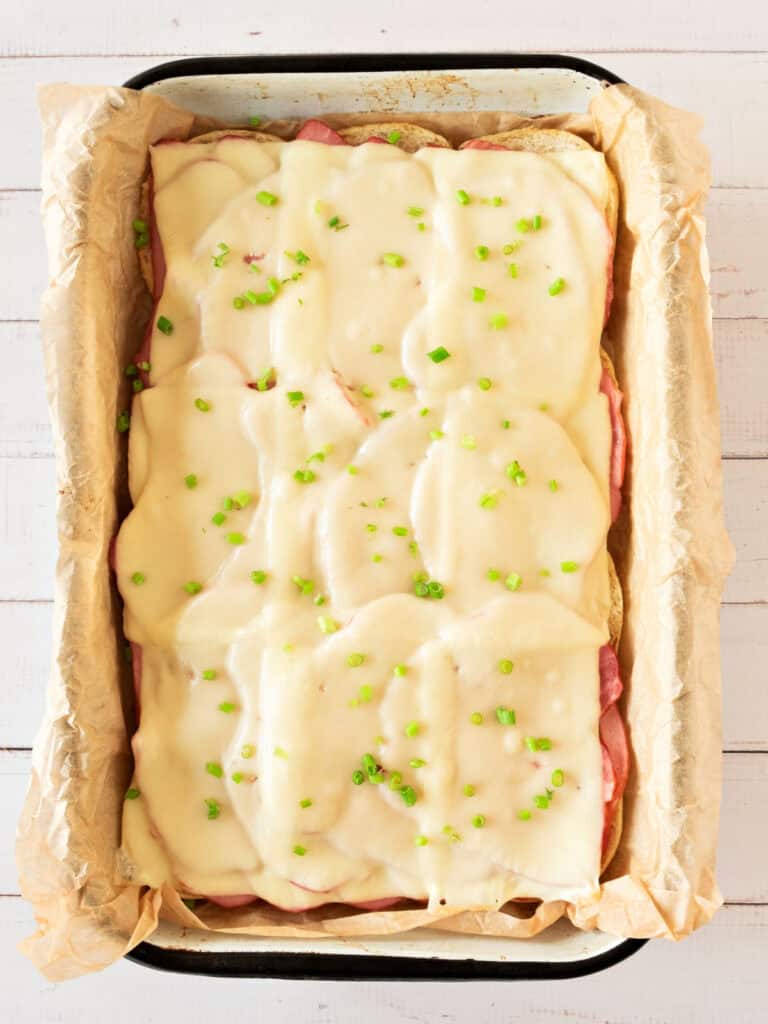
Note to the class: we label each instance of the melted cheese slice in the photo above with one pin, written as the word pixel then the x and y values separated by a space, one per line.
pixel 277 595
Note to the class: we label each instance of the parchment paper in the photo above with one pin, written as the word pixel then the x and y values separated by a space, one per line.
pixel 670 543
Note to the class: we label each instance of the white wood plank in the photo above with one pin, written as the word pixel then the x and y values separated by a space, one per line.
pixel 346 27
pixel 24 425
pixel 726 89
pixel 737 222
pixel 27 538
pixel 25 631
pixel 743 833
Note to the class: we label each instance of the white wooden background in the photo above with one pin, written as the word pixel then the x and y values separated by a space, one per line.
pixel 700 54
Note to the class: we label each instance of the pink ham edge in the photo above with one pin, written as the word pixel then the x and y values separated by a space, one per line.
pixel 613 738
pixel 317 131
pixel 618 441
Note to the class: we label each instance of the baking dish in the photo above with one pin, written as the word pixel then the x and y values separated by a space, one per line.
pixel 231 89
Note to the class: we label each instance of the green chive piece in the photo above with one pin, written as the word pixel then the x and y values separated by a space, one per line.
pixel 371 527
pixel 367 392
pixel 513 581
pixel 478 821
pixel 238 302
pixel 131 370
pixel 300 851
pixel 412 729
pixel 215 769
pixel 558 777
pixel 485 383
pixel 506 666
pixel 542 802
pixel 282 754
pixel 395 781
pixel 481 252
pixel 537 222
pixel 478 294
pixel 247 751
pixel 516 473
pixel 400 670
pixel 509 248
pixel 193 587
pixel 512 269
pixel 393 137
pixel 524 814
pixel 569 566
pixel 377 348
pixel 544 743
pixel 424 412
pixel 140 226
pixel 235 538
pixel 386 414
pixel 377 558
pixel 304 476
pixel 227 707
pixel 417 762
pixel 544 572
pixel 132 793
pixel 505 716
pixel 299 257
pixel 190 481
pixel 138 578
pixel 436 435
pixel 326 624
pixel 399 383
pixel 439 354
pixel 306 802
pixel 476 718
pixel 506 424
pixel 557 286
pixel 305 586
pixel 352 470
pixel 164 325
pixel 365 694
pixel 202 405
pixel 266 198
pixel 228 504
pixel 462 197
pixel 490 500
pixel 468 442
pixel 358 778
pixel 123 421
pixel 408 793
pixel 553 485
pixel 137 386
pixel 420 841
pixel 415 211
pixel 532 744
pixel 209 674
pixel 400 531
pixel 436 590
pixel 496 201
pixel 523 226
pixel 237 777
pixel 254 121
pixel 393 259
pixel 469 789
pixel 421 226
pixel 355 660
pixel 218 518
pixel 214 809
pixel 420 589
pixel 498 321
pixel 493 575
pixel 242 499
pixel 320 600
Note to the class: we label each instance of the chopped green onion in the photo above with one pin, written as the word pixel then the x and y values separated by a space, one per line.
pixel 377 558
pixel 123 421
pixel 218 518
pixel 557 286
pixel 202 405
pixel 191 481
pixel 137 386
pixel 506 424
pixel 132 793
pixel 469 789
pixel 235 538
pixel 214 809
pixel 544 743
pixel 386 414
pixel 377 348
pixel 412 729
pixel 247 751
pixel 481 252
pixel 439 354
pixel 355 660
pixel 242 499
pixel 421 226
pixel 131 370
pixel 436 590
pixel 532 743
pixel 558 777
pixel 305 586
pixel 282 754
pixel 415 211
pixel 476 718
pixel 463 197
pixel 537 222
pixel 524 814
pixel 506 666
pixel 496 201
pixel 478 821
pixel 542 802
pixel 505 716
pixel 306 802
pixel 498 320
pixel 304 476
pixel 478 294
pixel 468 442
pixel 417 762
pixel 509 248
pixel 512 269
pixel 491 499
pixel 569 566
pixel 513 581
pixel 394 137
pixel 140 226
pixel 358 778
pixel 299 850
pixel 238 302
pixel 395 781
pixel 353 470
pixel 193 587
pixel 553 485
pixel 523 226
pixel 399 383
pixel 254 121
pixel 400 531
pixel 493 575
pixel 420 841
pixel 227 707
pixel 393 259
pixel 436 435
pixel 408 793
pixel 400 670
pixel 326 624
pixel 544 572
pixel 450 831
pixel 209 674
pixel 371 527
pixel 485 383
pixel 266 198
pixel 516 473
pixel 164 325
pixel 237 777
pixel 424 412
pixel 138 578
pixel 215 769
pixel 299 257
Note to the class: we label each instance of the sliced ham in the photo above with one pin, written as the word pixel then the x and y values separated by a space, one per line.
pixel 316 131
pixel 231 901
pixel 613 738
pixel 481 144
pixel 618 443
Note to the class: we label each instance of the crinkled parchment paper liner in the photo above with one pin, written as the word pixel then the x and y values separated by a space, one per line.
pixel 672 549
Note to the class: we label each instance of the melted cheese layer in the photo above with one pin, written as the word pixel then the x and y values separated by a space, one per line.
pixel 262 693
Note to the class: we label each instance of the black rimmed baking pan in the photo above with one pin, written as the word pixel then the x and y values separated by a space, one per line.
pixel 232 89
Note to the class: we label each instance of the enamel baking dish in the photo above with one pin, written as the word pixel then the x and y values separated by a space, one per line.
pixel 230 89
